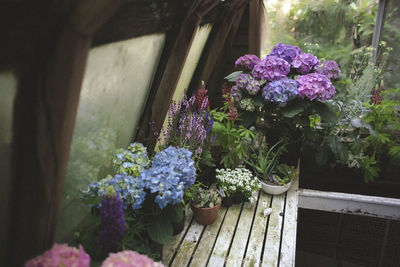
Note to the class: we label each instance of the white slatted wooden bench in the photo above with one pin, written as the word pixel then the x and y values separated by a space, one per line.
pixel 241 236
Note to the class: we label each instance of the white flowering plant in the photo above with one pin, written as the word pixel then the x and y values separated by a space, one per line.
pixel 237 180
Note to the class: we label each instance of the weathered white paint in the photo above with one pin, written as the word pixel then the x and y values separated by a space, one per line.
pixel 238 247
pixel 288 247
pixel 254 249
pixel 188 245
pixel 206 242
pixel 271 249
pixel 169 250
pixel 383 207
pixel 225 235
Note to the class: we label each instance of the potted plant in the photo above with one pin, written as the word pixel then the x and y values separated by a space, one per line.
pixel 264 162
pixel 205 204
pixel 236 185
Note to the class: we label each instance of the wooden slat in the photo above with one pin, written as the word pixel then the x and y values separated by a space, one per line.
pixel 271 248
pixel 254 248
pixel 288 248
pixel 225 236
pixel 188 245
pixel 239 242
pixel 205 246
pixel 169 250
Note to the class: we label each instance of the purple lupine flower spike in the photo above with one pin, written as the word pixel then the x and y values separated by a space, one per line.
pixel 113 225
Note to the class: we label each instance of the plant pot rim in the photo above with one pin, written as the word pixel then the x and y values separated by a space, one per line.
pixel 275 185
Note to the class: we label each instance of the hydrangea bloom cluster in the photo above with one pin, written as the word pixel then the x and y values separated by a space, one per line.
pixel 280 87
pixel 131 161
pixel 286 52
pixel 129 258
pixel 247 83
pixel 236 93
pixel 280 91
pixel 172 171
pixel 247 62
pixel 61 255
pixel 304 63
pixel 271 68
pixel 329 68
pixel 239 179
pixel 315 86
pixel 113 225
pixel 130 190
pixel 247 104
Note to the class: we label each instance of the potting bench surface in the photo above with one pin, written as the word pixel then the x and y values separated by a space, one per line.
pixel 241 235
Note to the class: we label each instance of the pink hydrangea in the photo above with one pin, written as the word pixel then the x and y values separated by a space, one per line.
pixel 271 68
pixel 315 86
pixel 61 255
pixel 129 258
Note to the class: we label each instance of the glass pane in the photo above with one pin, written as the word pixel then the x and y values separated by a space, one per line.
pixel 8 89
pixel 331 29
pixel 391 34
pixel 114 91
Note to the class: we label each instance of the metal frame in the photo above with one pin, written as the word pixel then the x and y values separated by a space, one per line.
pixel 379 23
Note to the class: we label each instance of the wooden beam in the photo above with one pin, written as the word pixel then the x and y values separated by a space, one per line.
pixel 44 118
pixel 255 27
pixel 382 207
pixel 156 110
pixel 220 36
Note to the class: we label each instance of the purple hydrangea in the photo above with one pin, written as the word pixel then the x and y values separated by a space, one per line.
pixel 286 52
pixel 247 83
pixel 304 63
pixel 280 91
pixel 247 61
pixel 113 225
pixel 329 68
pixel 271 68
pixel 236 93
pixel 315 86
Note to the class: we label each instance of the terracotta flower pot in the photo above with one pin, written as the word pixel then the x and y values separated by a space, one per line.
pixel 206 216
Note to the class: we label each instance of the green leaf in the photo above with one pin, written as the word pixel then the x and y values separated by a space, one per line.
pixel 325 111
pixel 233 76
pixel 174 212
pixel 160 230
pixel 292 111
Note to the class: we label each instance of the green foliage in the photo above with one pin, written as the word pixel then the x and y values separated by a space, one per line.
pixel 263 160
pixel 206 198
pixel 285 173
pixel 232 138
pixel 160 230
pixel 384 118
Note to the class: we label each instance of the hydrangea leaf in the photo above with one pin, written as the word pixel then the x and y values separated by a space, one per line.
pixel 292 111
pixel 160 230
pixel 233 76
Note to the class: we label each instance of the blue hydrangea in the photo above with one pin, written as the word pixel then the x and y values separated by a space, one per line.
pixel 280 91
pixel 130 190
pixel 172 171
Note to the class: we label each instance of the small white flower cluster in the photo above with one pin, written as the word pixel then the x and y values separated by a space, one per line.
pixel 239 179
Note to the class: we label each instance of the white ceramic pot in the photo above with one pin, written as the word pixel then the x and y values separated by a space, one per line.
pixel 273 189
